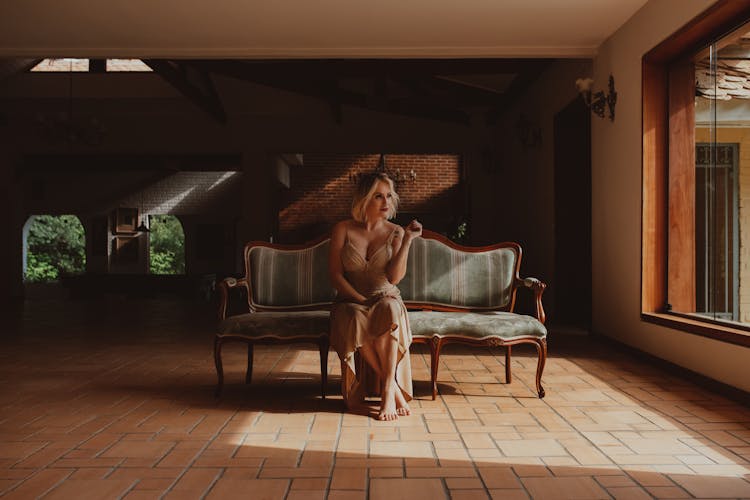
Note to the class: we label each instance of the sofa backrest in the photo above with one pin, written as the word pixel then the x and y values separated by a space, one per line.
pixel 442 274
pixel 288 277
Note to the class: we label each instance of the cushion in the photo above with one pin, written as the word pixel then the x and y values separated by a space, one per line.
pixel 475 325
pixel 277 325
pixel 286 278
pixel 441 275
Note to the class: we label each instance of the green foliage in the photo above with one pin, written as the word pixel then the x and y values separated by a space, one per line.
pixel 167 241
pixel 56 248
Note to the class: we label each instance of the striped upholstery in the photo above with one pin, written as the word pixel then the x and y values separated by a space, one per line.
pixel 436 274
pixel 281 278
pixel 440 275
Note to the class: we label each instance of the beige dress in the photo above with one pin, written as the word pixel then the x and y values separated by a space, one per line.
pixel 354 324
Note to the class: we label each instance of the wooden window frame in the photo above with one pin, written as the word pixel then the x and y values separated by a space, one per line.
pixel 668 165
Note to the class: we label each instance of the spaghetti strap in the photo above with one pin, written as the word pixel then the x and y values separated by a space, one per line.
pixel 390 236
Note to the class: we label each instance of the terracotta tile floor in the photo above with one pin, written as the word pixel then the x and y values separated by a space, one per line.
pixel 113 398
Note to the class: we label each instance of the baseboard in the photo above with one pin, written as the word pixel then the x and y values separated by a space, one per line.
pixel 728 391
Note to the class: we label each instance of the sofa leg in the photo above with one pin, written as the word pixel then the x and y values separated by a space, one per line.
pixel 435 346
pixel 508 376
pixel 249 373
pixel 541 348
pixel 323 345
pixel 219 366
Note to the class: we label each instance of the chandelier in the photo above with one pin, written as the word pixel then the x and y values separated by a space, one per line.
pixel 67 126
pixel 397 176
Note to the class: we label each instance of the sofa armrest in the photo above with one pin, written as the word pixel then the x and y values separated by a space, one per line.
pixel 537 287
pixel 224 287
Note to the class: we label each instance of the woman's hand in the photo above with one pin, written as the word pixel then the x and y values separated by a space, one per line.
pixel 413 230
pixel 373 299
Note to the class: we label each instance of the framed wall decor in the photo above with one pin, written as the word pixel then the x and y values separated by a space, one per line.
pixel 125 220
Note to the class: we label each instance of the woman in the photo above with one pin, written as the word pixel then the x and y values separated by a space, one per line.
pixel 367 259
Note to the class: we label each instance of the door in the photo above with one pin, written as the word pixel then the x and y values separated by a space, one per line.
pixel 572 275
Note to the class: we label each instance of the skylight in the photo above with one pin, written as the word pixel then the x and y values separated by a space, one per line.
pixel 62 64
pixel 67 64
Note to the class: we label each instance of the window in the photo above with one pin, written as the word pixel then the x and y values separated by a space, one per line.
pixel 54 247
pixel 696 177
pixel 166 245
pixel 82 65
pixel 120 65
pixel 63 64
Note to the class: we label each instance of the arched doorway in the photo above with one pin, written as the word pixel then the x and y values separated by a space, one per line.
pixel 54 246
pixel 166 245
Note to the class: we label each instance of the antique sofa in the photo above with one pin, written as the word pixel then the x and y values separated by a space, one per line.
pixel 454 293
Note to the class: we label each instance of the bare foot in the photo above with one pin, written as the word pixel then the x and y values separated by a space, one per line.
pixel 402 407
pixel 388 402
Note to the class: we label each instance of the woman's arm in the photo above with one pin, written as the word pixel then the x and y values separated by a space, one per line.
pixel 336 268
pixel 396 269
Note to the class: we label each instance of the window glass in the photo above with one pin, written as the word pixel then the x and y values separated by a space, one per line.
pixel 54 247
pixel 120 65
pixel 62 64
pixel 166 245
pixel 82 65
pixel 722 179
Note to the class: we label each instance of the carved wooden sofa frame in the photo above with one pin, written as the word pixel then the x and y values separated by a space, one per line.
pixel 296 309
pixel 301 317
pixel 531 331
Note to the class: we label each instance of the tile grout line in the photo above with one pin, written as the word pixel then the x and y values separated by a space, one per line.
pixel 195 458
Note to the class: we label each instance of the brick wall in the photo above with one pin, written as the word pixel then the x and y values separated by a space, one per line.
pixel 321 191
pixel 186 193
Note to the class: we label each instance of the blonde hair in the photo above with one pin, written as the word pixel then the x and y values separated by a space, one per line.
pixel 366 189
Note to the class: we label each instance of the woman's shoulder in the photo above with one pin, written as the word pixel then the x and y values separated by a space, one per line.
pixel 395 229
pixel 342 227
pixel 393 226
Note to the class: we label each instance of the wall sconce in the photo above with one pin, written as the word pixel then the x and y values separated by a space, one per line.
pixel 397 176
pixel 597 101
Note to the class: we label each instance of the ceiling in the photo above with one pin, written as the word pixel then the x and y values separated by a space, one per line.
pixel 434 59
pixel 253 29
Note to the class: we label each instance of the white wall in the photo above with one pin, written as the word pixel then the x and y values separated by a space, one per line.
pixel 616 205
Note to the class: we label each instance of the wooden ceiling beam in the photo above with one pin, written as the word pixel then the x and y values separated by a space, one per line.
pixel 203 94
pixel 14 66
pixel 514 91
pixel 302 83
pixel 467 90
pixel 299 83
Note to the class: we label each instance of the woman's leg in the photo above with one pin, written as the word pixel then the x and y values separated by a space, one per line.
pixel 386 348
pixel 371 376
pixel 402 407
pixel 371 358
pixel 385 315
